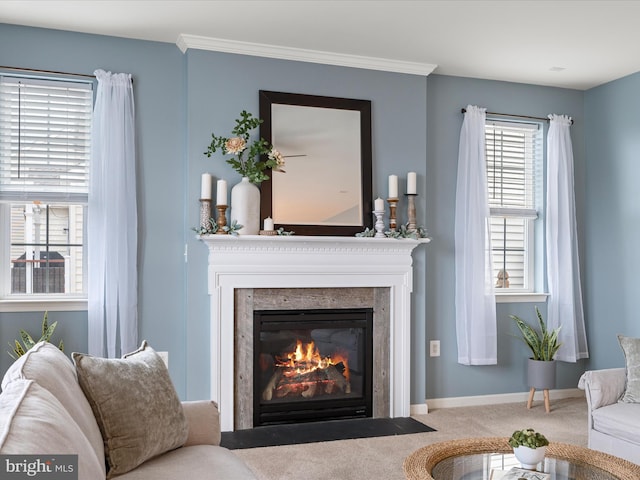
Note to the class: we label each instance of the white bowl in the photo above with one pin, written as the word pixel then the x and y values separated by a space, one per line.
pixel 529 458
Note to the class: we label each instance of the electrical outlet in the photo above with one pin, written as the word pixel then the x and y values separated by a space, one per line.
pixel 434 348
pixel 165 357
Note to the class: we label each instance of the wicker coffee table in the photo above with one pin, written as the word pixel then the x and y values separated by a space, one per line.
pixel 473 459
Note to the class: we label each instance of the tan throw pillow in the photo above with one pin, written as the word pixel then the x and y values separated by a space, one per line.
pixel 631 348
pixel 136 406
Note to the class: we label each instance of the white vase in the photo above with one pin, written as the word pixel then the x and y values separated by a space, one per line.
pixel 529 458
pixel 245 207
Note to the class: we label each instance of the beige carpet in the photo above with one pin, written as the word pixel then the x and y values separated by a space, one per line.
pixel 381 458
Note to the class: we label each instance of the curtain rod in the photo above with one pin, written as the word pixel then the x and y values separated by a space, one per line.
pixel 18 69
pixel 464 110
pixel 52 72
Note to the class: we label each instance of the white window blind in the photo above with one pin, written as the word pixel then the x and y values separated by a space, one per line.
pixel 513 151
pixel 45 133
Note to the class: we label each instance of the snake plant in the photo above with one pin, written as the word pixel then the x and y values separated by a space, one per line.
pixel 28 341
pixel 543 343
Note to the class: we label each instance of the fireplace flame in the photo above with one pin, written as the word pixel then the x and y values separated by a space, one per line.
pixel 306 358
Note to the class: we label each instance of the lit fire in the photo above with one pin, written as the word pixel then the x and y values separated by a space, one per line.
pixel 306 358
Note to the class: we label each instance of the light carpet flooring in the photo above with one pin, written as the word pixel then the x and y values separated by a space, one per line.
pixel 381 458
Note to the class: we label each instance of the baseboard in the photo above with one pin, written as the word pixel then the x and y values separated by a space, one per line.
pixel 476 400
pixel 418 409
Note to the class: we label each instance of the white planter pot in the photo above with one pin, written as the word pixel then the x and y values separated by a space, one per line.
pixel 245 207
pixel 529 458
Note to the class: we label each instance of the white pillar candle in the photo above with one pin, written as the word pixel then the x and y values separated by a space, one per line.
pixel 393 186
pixel 205 188
pixel 411 183
pixel 378 204
pixel 268 223
pixel 221 192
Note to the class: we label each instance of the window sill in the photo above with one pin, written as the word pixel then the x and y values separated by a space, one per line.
pixel 521 297
pixel 42 304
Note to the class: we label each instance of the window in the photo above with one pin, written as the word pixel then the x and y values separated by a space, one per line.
pixel 513 152
pixel 45 135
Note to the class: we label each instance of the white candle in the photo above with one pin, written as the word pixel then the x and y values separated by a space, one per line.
pixel 378 205
pixel 411 183
pixel 393 186
pixel 205 188
pixel 221 192
pixel 268 223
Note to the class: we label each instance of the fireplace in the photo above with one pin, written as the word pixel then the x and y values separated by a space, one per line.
pixel 312 365
pixel 241 267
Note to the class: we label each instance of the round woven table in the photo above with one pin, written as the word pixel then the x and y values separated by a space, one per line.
pixel 419 465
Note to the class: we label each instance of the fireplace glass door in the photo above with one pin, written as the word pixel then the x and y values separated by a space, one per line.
pixel 312 365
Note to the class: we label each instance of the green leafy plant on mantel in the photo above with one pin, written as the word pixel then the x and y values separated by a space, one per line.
pixel 528 437
pixel 28 342
pixel 245 156
pixel 543 343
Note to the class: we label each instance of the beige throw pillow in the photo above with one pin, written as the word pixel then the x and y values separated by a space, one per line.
pixel 631 348
pixel 34 422
pixel 136 406
pixel 55 372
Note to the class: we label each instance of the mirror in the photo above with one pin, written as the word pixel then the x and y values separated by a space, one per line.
pixel 326 144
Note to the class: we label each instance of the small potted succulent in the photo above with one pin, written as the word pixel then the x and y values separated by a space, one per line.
pixel 529 447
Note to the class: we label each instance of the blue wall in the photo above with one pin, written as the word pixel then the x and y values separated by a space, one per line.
pixel 182 98
pixel 612 221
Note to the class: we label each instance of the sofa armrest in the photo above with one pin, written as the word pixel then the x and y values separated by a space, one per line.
pixel 603 387
pixel 204 422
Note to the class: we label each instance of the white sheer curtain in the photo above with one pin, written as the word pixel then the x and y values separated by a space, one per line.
pixel 113 224
pixel 564 306
pixel 475 300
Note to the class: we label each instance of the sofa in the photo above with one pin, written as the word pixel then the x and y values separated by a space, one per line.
pixel 121 417
pixel 613 418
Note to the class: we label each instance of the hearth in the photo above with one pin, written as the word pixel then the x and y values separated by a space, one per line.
pixel 312 365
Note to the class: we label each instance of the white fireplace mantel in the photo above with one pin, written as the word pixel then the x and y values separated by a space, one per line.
pixel 253 261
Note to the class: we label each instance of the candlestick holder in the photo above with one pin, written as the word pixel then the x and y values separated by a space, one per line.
pixel 222 219
pixel 205 213
pixel 411 211
pixel 379 223
pixel 393 203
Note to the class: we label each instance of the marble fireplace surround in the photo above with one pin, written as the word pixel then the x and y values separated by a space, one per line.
pixel 236 265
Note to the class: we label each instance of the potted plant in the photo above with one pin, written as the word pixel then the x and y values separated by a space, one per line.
pixel 544 344
pixel 28 341
pixel 529 447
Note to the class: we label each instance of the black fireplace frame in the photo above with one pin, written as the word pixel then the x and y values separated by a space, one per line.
pixel 313 410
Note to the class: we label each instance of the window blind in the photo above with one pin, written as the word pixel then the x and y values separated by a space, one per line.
pixel 511 150
pixel 45 139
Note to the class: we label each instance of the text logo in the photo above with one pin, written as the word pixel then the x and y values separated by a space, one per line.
pixel 50 467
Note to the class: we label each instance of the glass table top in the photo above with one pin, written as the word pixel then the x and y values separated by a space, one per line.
pixel 493 466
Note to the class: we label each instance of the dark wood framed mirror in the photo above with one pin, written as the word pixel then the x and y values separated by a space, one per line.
pixel 326 144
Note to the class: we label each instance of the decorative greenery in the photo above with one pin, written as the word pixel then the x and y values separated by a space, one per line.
pixel 28 342
pixel 543 343
pixel 368 232
pixel 282 232
pixel 213 228
pixel 402 232
pixel 528 437
pixel 247 166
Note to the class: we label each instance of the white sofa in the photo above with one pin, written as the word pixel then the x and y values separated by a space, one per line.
pixel 44 411
pixel 614 427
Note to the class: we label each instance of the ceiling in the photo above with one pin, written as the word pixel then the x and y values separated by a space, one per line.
pixel 572 44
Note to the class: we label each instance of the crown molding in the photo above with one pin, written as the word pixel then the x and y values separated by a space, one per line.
pixel 186 42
